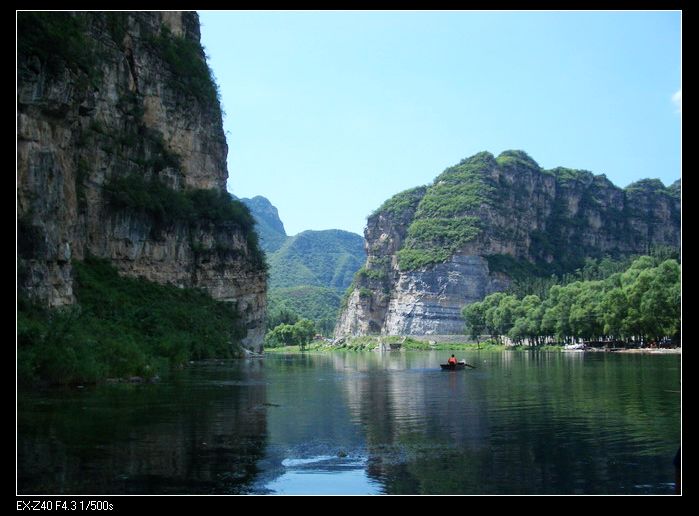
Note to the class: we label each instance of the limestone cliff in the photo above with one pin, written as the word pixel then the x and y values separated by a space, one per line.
pixel 121 155
pixel 433 249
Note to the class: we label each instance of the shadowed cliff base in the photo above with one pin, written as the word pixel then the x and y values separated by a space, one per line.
pixel 122 328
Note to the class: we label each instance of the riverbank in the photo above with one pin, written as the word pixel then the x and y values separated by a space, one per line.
pixel 389 344
pixel 641 351
pixel 394 343
pixel 121 328
pixel 384 343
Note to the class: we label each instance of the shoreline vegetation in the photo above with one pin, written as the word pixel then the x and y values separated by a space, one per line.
pixel 128 328
pixel 122 328
pixel 631 302
pixel 638 307
pixel 403 343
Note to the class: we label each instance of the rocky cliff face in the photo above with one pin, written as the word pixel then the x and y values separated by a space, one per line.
pixel 119 138
pixel 432 250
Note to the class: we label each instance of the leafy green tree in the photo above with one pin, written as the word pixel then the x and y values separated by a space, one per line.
pixel 614 308
pixel 653 299
pixel 585 321
pixel 529 323
pixel 637 266
pixel 297 334
pixel 551 312
pixel 662 302
pixel 304 330
pixel 281 315
pixel 505 314
pixel 491 319
pixel 640 303
pixel 518 331
pixel 474 315
pixel 280 335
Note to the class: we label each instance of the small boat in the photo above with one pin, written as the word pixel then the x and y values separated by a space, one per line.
pixel 453 367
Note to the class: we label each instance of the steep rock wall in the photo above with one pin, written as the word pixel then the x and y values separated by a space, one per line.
pixel 108 98
pixel 432 250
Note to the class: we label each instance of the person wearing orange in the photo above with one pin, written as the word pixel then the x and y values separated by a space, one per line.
pixel 452 360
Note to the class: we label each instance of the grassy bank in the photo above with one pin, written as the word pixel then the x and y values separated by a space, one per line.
pixel 121 327
pixel 368 343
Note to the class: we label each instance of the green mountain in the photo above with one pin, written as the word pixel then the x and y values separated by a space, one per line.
pixel 319 304
pixel 326 258
pixel 308 272
pixel 269 226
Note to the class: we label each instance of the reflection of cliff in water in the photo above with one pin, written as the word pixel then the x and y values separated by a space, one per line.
pixel 416 417
pixel 545 423
pixel 202 432
pixel 309 434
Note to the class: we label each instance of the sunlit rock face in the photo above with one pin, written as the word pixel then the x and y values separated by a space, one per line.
pixel 429 302
pixel 522 217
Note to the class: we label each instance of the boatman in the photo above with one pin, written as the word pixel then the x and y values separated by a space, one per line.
pixel 452 360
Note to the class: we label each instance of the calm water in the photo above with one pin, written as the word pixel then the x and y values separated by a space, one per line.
pixel 364 423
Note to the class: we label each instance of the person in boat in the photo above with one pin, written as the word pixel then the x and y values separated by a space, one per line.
pixel 452 360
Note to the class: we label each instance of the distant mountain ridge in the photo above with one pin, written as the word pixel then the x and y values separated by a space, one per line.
pixel 327 258
pixel 310 271
pixel 269 226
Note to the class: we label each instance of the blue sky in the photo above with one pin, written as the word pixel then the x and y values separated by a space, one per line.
pixel 330 113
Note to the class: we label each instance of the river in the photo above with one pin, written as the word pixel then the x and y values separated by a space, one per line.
pixel 363 423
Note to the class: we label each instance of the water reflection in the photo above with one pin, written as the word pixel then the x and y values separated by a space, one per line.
pixel 520 423
pixel 364 423
pixel 201 432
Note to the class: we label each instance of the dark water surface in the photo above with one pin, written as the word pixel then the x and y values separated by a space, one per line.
pixel 363 423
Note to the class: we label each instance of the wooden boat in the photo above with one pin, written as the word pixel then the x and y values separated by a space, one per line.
pixel 453 367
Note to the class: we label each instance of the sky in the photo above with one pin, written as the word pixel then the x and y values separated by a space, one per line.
pixel 330 113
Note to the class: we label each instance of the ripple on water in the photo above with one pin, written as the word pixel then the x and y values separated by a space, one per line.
pixel 322 475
